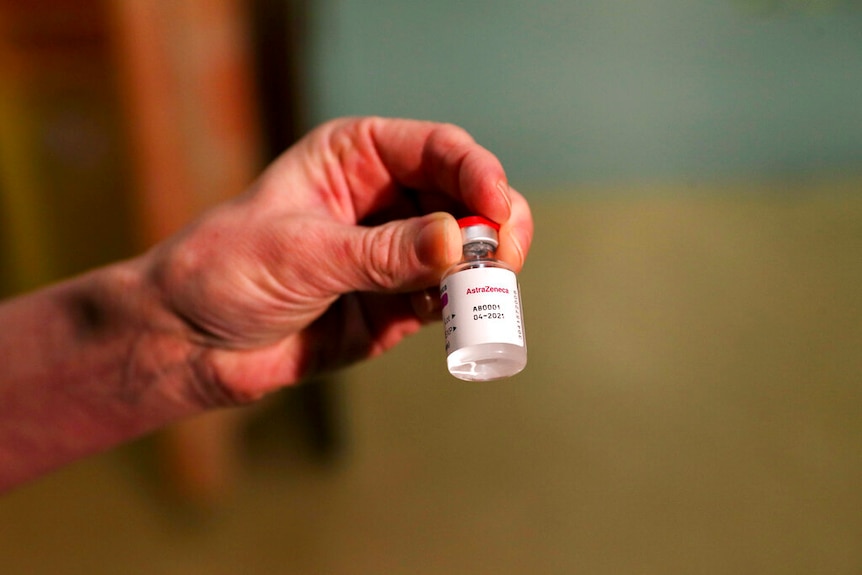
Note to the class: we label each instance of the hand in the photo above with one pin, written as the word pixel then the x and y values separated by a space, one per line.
pixel 328 258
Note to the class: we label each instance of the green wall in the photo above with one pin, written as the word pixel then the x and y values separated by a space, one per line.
pixel 606 90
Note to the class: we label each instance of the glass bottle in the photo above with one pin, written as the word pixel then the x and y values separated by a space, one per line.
pixel 482 317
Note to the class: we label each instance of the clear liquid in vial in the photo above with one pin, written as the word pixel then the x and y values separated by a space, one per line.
pixel 482 313
pixel 487 361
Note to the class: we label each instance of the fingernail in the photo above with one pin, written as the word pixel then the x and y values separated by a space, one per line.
pixel 433 244
pixel 426 304
pixel 503 188
pixel 518 248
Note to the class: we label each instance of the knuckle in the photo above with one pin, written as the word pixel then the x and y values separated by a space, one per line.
pixel 381 257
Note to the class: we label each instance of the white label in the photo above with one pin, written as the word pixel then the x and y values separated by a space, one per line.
pixel 481 305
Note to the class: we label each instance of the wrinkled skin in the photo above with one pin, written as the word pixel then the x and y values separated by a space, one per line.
pixel 334 254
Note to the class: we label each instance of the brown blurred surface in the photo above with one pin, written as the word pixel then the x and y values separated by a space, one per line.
pixel 691 405
pixel 120 121
pixel 65 185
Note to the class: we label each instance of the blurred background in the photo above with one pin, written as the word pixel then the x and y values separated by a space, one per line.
pixel 692 300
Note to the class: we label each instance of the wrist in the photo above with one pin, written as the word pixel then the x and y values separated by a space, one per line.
pixel 123 322
pixel 84 365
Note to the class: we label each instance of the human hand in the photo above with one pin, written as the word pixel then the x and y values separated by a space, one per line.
pixel 328 257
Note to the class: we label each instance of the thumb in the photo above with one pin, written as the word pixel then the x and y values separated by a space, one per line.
pixel 398 256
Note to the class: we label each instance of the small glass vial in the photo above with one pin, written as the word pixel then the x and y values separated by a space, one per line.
pixel 482 316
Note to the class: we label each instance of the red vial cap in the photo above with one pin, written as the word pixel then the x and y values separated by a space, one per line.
pixel 477 221
pixel 478 229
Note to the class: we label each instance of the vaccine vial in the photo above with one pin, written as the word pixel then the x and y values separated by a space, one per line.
pixel 482 317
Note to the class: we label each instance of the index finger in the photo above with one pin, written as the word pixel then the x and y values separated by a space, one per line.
pixel 444 157
pixel 431 158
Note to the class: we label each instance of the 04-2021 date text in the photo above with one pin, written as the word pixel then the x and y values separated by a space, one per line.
pixel 491 312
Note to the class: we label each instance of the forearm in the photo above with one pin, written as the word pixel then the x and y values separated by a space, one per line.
pixel 84 365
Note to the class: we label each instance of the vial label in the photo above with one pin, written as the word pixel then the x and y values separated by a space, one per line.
pixel 481 305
